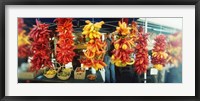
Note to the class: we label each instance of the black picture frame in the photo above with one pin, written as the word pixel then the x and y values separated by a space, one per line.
pixel 3 3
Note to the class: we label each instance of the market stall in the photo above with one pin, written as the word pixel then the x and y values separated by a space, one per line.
pixel 99 50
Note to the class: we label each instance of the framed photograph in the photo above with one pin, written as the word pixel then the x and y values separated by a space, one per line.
pixel 99 50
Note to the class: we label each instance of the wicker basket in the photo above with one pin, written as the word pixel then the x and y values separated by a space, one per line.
pixel 49 76
pixel 79 75
pixel 62 69
pixel 64 77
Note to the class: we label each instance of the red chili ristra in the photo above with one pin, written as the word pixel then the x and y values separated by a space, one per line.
pixel 40 47
pixel 142 60
pixel 65 44
pixel 160 46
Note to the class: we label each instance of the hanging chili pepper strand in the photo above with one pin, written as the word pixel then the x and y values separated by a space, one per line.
pixel 65 44
pixel 174 48
pixel 95 47
pixel 20 24
pixel 123 46
pixel 23 40
pixel 40 46
pixel 141 62
pixel 159 55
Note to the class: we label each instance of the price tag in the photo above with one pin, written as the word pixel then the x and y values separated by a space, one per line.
pixel 153 71
pixel 103 37
pixel 86 68
pixel 69 65
pixel 83 50
pixel 93 71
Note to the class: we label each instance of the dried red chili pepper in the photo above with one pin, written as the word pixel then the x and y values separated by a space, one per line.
pixel 141 61
pixel 40 47
pixel 65 44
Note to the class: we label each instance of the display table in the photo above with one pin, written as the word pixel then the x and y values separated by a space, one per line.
pixel 43 79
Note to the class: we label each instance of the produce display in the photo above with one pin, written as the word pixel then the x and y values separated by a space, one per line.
pixel 40 46
pixel 159 54
pixel 95 50
pixel 123 46
pixel 65 44
pixel 174 47
pixel 73 50
pixel 141 61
